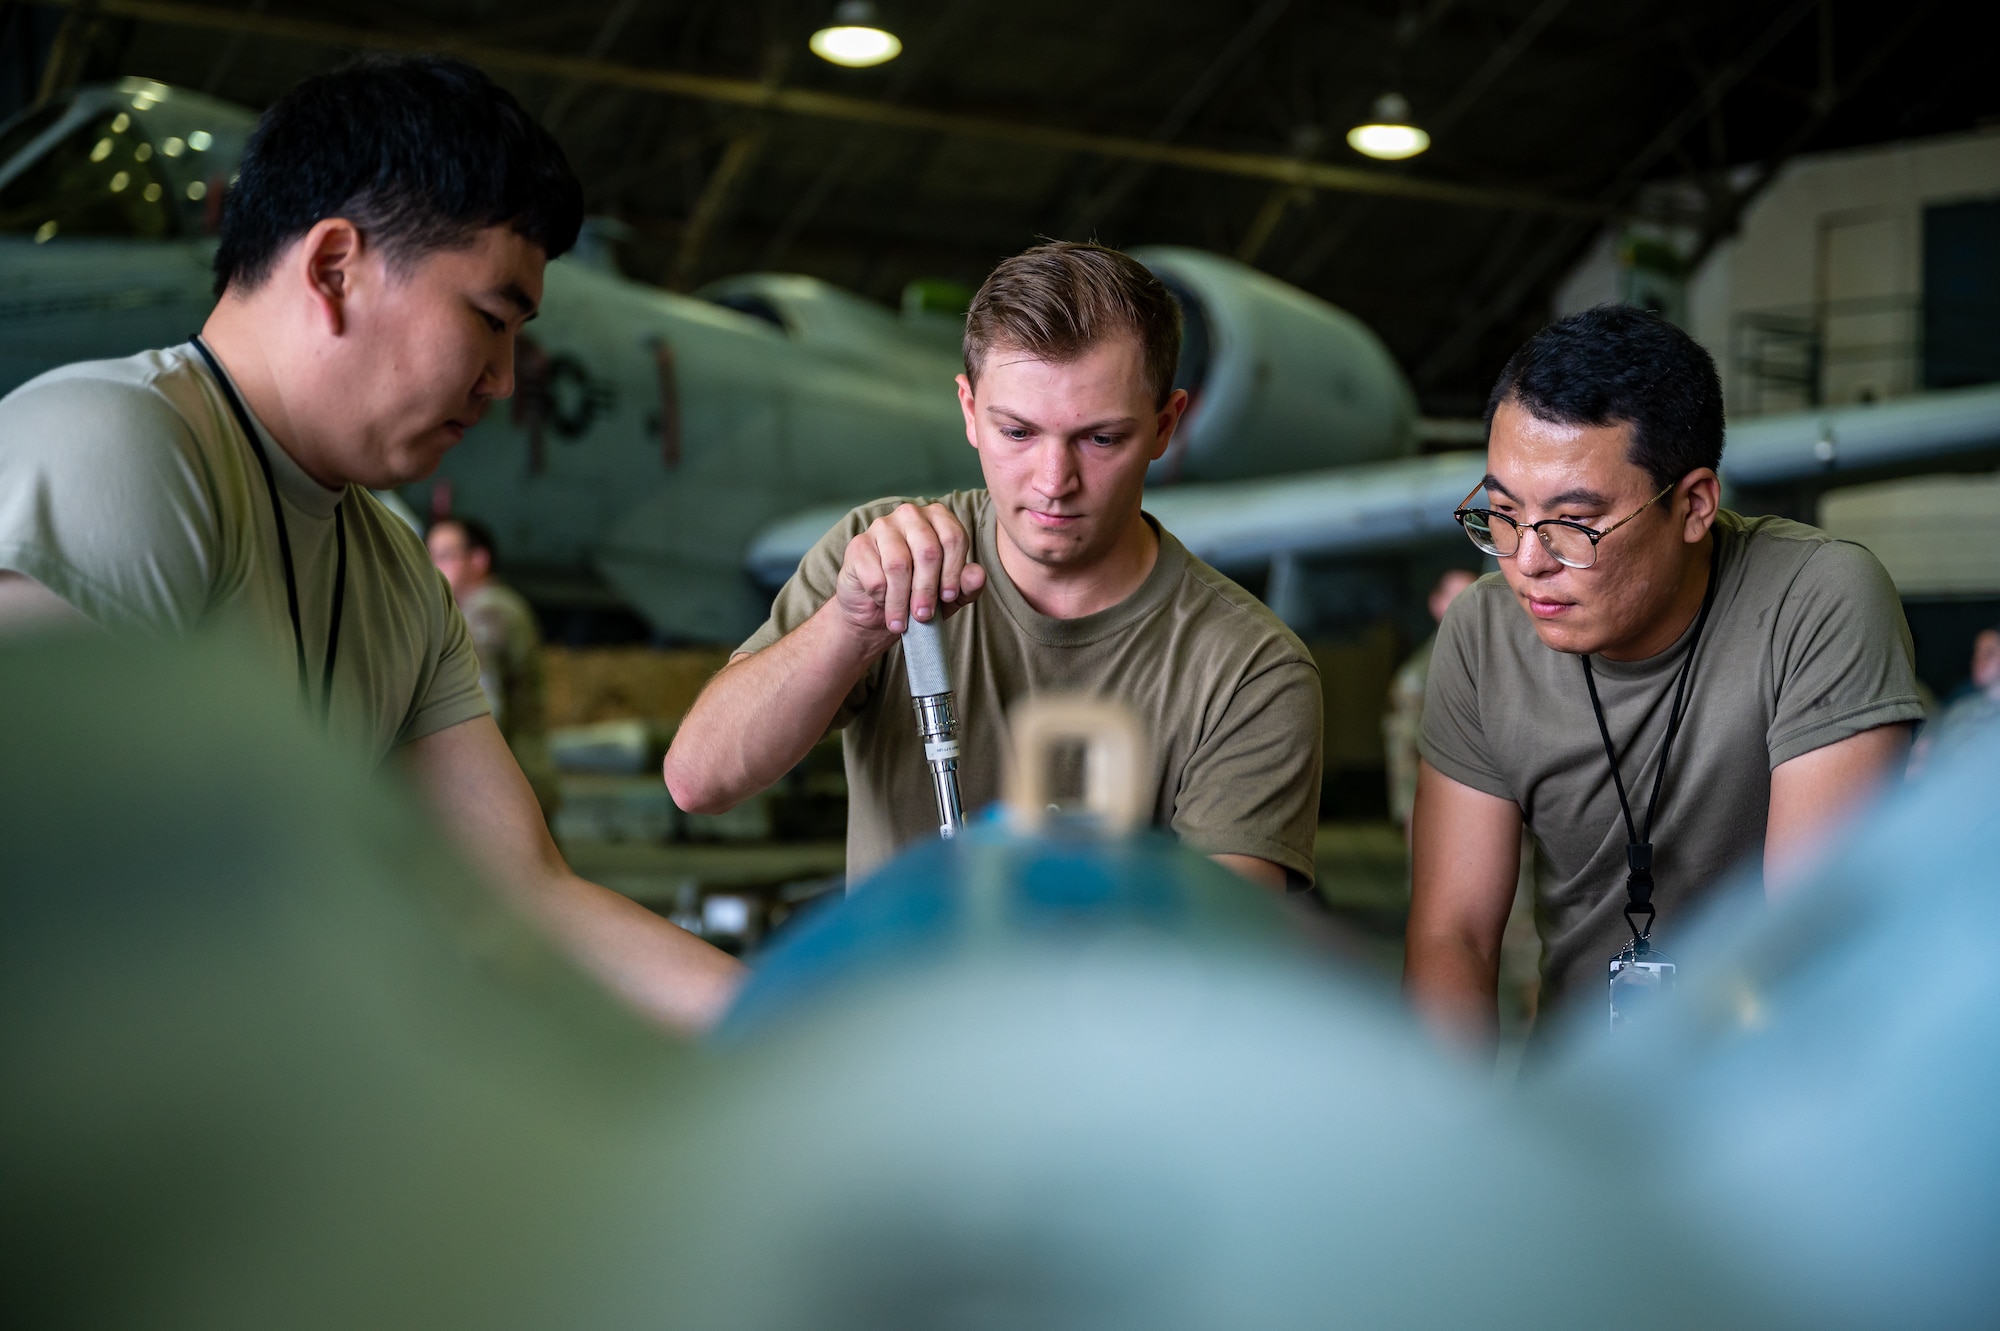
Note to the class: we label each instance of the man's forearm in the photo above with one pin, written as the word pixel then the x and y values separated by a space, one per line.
pixel 1453 985
pixel 1465 857
pixel 489 809
pixel 660 969
pixel 761 714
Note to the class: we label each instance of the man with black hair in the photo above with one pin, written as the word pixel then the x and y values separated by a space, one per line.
pixel 1765 666
pixel 508 643
pixel 380 251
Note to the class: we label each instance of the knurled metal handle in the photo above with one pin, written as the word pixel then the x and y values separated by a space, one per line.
pixel 923 659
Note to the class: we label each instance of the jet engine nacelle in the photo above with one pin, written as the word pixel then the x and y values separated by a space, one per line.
pixel 1280 381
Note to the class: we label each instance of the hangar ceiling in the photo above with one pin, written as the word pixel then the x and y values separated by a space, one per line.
pixel 709 130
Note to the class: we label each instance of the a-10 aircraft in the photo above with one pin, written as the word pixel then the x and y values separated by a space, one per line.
pixel 677 454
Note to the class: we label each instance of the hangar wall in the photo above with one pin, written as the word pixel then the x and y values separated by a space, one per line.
pixel 1836 245
pixel 1820 294
pixel 1829 276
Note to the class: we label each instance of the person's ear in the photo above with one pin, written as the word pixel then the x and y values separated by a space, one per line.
pixel 481 561
pixel 1168 421
pixel 1701 491
pixel 328 262
pixel 965 404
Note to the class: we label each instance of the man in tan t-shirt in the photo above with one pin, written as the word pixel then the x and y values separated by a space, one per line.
pixel 371 285
pixel 1050 579
pixel 1618 573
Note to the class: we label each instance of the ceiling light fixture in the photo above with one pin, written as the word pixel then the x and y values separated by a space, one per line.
pixel 855 39
pixel 1390 136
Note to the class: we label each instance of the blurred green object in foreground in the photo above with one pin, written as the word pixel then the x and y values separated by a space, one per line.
pixel 272 1058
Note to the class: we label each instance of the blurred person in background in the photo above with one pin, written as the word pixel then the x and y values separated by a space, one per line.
pixel 1972 709
pixel 509 645
pixel 1403 725
pixel 379 253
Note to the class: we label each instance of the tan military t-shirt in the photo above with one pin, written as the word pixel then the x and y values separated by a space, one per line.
pixel 1806 646
pixel 1229 696
pixel 128 489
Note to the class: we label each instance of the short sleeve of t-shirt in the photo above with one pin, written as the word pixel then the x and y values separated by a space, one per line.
pixel 104 501
pixel 1453 737
pixel 128 489
pixel 812 586
pixel 1252 787
pixel 1841 655
pixel 449 692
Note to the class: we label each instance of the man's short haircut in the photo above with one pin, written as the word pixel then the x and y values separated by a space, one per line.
pixel 478 536
pixel 1616 364
pixel 1059 300
pixel 419 152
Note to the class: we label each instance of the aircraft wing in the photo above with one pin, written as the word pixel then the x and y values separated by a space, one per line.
pixel 776 549
pixel 1385 506
pixel 1347 510
pixel 1903 435
pixel 1241 524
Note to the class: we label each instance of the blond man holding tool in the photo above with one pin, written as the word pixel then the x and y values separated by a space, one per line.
pixel 1050 579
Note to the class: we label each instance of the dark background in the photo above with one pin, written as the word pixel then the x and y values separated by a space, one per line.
pixel 1565 100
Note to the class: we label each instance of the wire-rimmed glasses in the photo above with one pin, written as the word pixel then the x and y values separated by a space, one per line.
pixel 1569 543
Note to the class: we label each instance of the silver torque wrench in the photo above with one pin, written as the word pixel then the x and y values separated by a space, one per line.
pixel 930 692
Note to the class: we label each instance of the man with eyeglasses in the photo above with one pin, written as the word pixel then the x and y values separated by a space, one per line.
pixel 1656 687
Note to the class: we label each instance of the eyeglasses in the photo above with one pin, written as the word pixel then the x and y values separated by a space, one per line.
pixel 1570 543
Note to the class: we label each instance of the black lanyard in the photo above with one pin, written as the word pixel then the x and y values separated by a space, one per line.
pixel 1638 852
pixel 285 548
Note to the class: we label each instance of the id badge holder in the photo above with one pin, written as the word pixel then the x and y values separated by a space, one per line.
pixel 1641 976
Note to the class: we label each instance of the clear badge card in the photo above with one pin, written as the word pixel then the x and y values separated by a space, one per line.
pixel 1639 981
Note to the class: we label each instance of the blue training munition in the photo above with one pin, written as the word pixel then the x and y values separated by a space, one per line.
pixel 1047 1075
pixel 1822 1084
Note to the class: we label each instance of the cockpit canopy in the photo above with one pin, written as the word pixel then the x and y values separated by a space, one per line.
pixel 134 160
